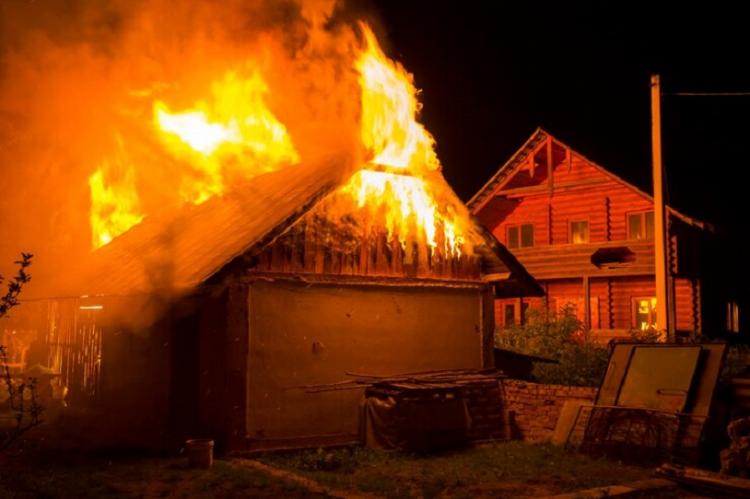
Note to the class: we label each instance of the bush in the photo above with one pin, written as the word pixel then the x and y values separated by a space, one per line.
pixel 737 362
pixel 559 337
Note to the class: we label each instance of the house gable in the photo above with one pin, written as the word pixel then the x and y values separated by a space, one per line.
pixel 573 188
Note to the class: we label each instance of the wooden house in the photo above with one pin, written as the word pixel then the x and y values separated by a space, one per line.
pixel 587 236
pixel 213 320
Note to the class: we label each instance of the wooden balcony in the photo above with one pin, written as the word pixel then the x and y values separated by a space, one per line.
pixel 578 260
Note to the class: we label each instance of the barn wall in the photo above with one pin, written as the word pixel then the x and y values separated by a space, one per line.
pixel 315 334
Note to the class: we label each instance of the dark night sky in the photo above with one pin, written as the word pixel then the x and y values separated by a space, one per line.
pixel 491 72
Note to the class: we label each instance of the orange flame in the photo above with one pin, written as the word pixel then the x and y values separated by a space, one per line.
pixel 233 134
pixel 236 127
pixel 114 199
pixel 394 139
pixel 389 109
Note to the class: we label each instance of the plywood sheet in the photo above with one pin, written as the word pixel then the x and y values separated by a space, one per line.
pixel 659 377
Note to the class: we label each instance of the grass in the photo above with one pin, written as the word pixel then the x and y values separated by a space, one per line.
pixel 510 469
pixel 86 476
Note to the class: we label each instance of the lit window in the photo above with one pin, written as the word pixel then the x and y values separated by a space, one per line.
pixel 733 317
pixel 641 225
pixel 512 237
pixel 579 232
pixel 644 313
pixel 527 235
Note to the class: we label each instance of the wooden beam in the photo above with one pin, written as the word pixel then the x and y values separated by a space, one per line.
pixel 549 165
pixel 663 304
pixel 549 223
pixel 607 222
pixel 586 303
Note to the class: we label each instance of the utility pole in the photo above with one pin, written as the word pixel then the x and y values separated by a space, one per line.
pixel 663 320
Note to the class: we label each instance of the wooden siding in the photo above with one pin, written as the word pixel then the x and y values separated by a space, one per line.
pixel 600 199
pixel 575 260
pixel 579 190
pixel 315 246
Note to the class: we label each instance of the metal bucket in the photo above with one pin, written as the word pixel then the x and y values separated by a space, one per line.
pixel 200 452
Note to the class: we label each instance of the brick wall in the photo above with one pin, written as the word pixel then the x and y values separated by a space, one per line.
pixel 536 407
pixel 488 419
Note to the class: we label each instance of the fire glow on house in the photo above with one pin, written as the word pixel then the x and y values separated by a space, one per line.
pixel 270 215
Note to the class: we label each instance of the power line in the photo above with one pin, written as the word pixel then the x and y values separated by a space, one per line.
pixel 708 94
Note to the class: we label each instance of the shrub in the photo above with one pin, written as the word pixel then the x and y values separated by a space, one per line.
pixel 559 337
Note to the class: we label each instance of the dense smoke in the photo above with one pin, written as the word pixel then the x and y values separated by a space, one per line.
pixel 78 80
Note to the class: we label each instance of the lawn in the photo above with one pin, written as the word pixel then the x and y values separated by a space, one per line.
pixel 93 476
pixel 510 469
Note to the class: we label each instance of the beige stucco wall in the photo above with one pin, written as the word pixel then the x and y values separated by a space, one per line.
pixel 302 334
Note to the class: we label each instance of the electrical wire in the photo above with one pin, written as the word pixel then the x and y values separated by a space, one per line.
pixel 708 94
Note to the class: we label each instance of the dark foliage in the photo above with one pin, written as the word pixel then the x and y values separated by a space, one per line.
pixel 21 403
pixel 560 337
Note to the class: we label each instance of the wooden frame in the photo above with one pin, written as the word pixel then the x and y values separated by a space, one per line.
pixel 634 311
pixel 519 306
pixel 588 230
pixel 518 236
pixel 644 233
pixel 733 317
pixel 520 227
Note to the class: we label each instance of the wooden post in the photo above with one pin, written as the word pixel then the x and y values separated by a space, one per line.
pixel 586 304
pixel 308 252
pixel 532 164
pixel 549 165
pixel 660 233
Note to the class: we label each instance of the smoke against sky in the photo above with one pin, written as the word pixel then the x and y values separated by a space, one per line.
pixel 78 80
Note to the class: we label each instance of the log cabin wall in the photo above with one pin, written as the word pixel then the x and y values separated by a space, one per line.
pixel 609 266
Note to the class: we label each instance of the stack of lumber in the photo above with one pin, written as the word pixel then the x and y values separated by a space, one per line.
pixel 446 378
pixel 706 482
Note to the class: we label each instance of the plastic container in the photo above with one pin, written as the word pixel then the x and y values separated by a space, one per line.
pixel 200 452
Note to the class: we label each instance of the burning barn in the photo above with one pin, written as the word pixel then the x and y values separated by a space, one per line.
pixel 211 318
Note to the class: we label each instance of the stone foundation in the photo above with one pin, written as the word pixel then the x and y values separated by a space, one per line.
pixel 536 407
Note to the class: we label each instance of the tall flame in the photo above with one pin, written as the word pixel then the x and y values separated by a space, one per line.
pixel 397 141
pixel 235 128
pixel 233 134
pixel 389 109
pixel 114 199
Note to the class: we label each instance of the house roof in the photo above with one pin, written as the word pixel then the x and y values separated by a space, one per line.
pixel 484 195
pixel 183 248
